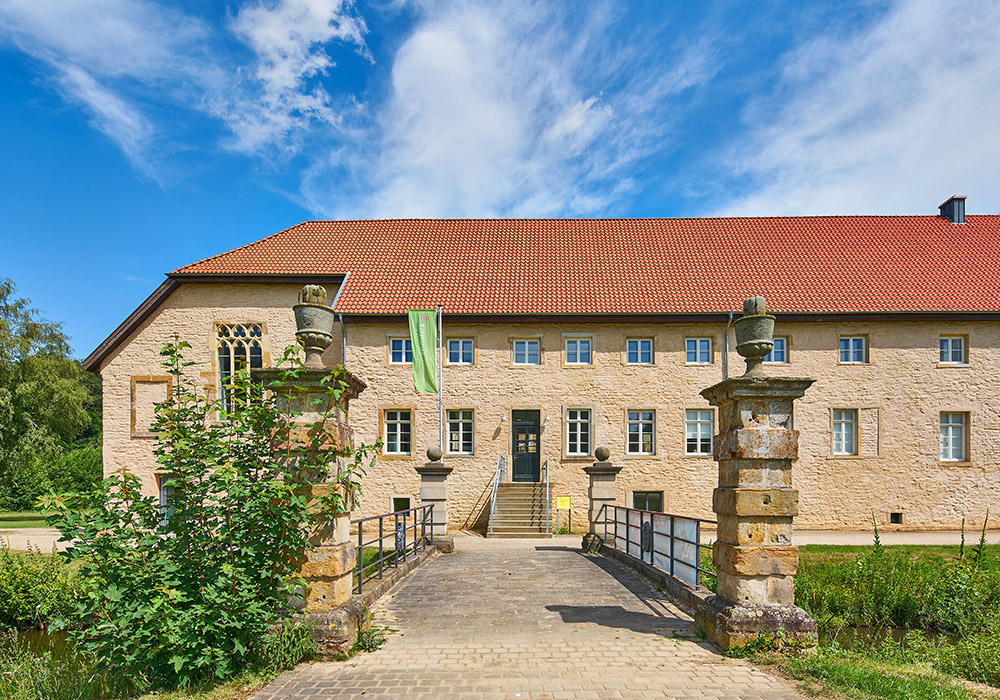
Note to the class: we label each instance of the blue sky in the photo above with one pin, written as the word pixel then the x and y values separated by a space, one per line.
pixel 137 136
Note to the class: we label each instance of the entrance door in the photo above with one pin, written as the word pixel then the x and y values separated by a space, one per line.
pixel 527 458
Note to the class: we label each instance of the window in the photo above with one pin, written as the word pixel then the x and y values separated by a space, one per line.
pixel 239 348
pixel 953 350
pixel 460 351
pixel 853 350
pixel 779 353
pixel 648 500
pixel 845 432
pixel 400 351
pixel 953 437
pixel 698 430
pixel 166 497
pixel 578 431
pixel 397 432
pixel 401 503
pixel 698 351
pixel 895 518
pixel 527 352
pixel 578 351
pixel 639 351
pixel 640 433
pixel 460 432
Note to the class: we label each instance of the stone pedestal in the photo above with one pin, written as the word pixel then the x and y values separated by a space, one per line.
pixel 434 491
pixel 755 504
pixel 603 490
pixel 329 562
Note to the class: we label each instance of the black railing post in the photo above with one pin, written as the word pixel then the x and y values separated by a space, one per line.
pixel 673 536
pixel 381 546
pixel 361 556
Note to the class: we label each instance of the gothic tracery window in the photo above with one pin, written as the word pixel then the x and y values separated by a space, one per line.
pixel 239 347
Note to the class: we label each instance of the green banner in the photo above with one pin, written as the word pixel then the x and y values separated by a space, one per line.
pixel 423 339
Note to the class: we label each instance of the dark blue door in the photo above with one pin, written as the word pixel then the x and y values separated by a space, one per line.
pixel 527 458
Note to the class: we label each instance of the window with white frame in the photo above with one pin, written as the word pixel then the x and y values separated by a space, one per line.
pixel 578 431
pixel 400 351
pixel 698 432
pixel 460 431
pixel 853 350
pixel 641 426
pixel 396 432
pixel 953 350
pixel 578 351
pixel 639 351
pixel 845 431
pixel 528 352
pixel 239 347
pixel 779 353
pixel 954 437
pixel 167 491
pixel 698 351
pixel 461 351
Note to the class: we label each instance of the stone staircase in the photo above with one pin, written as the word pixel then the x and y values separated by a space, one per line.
pixel 519 511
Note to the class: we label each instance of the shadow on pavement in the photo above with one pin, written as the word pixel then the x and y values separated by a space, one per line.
pixel 618 617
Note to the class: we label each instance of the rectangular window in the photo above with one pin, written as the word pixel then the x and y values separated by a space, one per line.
pixel 639 351
pixel 698 431
pixel 397 432
pixel 853 350
pixel 698 351
pixel 460 432
pixel 578 431
pixel 400 351
pixel 167 491
pixel 401 503
pixel 527 352
pixel 779 353
pixel 648 500
pixel 460 351
pixel 640 432
pixel 953 437
pixel 578 351
pixel 845 432
pixel 953 350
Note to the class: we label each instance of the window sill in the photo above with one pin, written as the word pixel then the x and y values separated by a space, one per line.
pixel 634 455
pixel 514 365
pixel 458 455
pixel 577 365
pixel 459 364
pixel 400 364
pixel 947 463
pixel 850 456
pixel 639 364
pixel 953 365
pixel 699 364
pixel 854 364
pixel 698 455
pixel 577 458
pixel 398 456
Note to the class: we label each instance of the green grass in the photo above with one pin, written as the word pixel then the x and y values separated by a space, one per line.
pixel 16 519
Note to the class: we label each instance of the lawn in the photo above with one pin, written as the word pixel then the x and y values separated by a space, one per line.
pixel 16 519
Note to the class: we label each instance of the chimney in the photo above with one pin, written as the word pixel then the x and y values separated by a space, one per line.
pixel 954 209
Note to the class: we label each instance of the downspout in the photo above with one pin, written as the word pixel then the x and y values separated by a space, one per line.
pixel 725 358
pixel 340 320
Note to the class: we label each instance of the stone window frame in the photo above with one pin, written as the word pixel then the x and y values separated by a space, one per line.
pixel 395 496
pixel 447 431
pixel 711 350
pixel 389 337
pixel 134 381
pixel 513 355
pixel 212 378
pixel 591 425
pixel 788 352
pixel 382 434
pixel 867 348
pixel 591 337
pixel 966 434
pixel 833 433
pixel 684 418
pixel 447 351
pixel 652 351
pixel 965 349
pixel 640 455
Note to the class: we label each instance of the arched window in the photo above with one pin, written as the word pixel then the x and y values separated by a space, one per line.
pixel 239 348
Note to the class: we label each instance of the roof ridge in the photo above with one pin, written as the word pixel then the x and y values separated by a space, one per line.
pixel 624 218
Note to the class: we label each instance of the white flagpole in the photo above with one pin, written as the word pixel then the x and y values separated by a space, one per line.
pixel 440 378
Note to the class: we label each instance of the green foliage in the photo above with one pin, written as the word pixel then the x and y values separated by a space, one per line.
pixel 77 470
pixel 286 644
pixel 34 588
pixel 180 598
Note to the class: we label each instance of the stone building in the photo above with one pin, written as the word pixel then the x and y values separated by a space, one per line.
pixel 563 335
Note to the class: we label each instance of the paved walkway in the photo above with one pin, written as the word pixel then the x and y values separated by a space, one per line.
pixel 45 538
pixel 527 619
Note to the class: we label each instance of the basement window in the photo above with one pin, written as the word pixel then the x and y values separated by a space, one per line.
pixel 895 518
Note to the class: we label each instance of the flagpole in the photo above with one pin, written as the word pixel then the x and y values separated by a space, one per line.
pixel 440 378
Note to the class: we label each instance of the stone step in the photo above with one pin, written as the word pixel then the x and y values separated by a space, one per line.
pixel 526 535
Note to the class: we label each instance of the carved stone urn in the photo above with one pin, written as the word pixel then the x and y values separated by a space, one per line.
pixel 754 334
pixel 314 324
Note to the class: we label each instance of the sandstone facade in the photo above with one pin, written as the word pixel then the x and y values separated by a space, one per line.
pixel 899 395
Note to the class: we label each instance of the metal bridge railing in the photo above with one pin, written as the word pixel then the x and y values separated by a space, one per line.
pixel 670 543
pixel 405 532
pixel 497 478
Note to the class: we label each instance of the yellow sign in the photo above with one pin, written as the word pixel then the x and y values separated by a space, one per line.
pixel 562 502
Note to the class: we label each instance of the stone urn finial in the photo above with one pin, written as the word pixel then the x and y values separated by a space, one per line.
pixel 314 324
pixel 754 335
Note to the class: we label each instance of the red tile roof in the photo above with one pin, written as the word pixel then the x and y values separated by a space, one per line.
pixel 638 266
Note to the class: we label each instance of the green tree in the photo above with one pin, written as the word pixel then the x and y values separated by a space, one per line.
pixel 48 402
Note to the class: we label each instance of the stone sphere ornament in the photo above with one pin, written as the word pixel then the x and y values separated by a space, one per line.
pixel 602 453
pixel 314 324
pixel 754 335
pixel 434 453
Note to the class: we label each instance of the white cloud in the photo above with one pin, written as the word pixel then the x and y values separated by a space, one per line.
pixel 892 119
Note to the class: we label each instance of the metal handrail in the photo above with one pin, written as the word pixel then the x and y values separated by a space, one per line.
pixel 497 478
pixel 647 516
pixel 422 516
pixel 548 504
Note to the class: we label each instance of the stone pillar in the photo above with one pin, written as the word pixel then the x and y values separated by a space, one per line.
pixel 434 490
pixel 755 504
pixel 603 487
pixel 330 560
